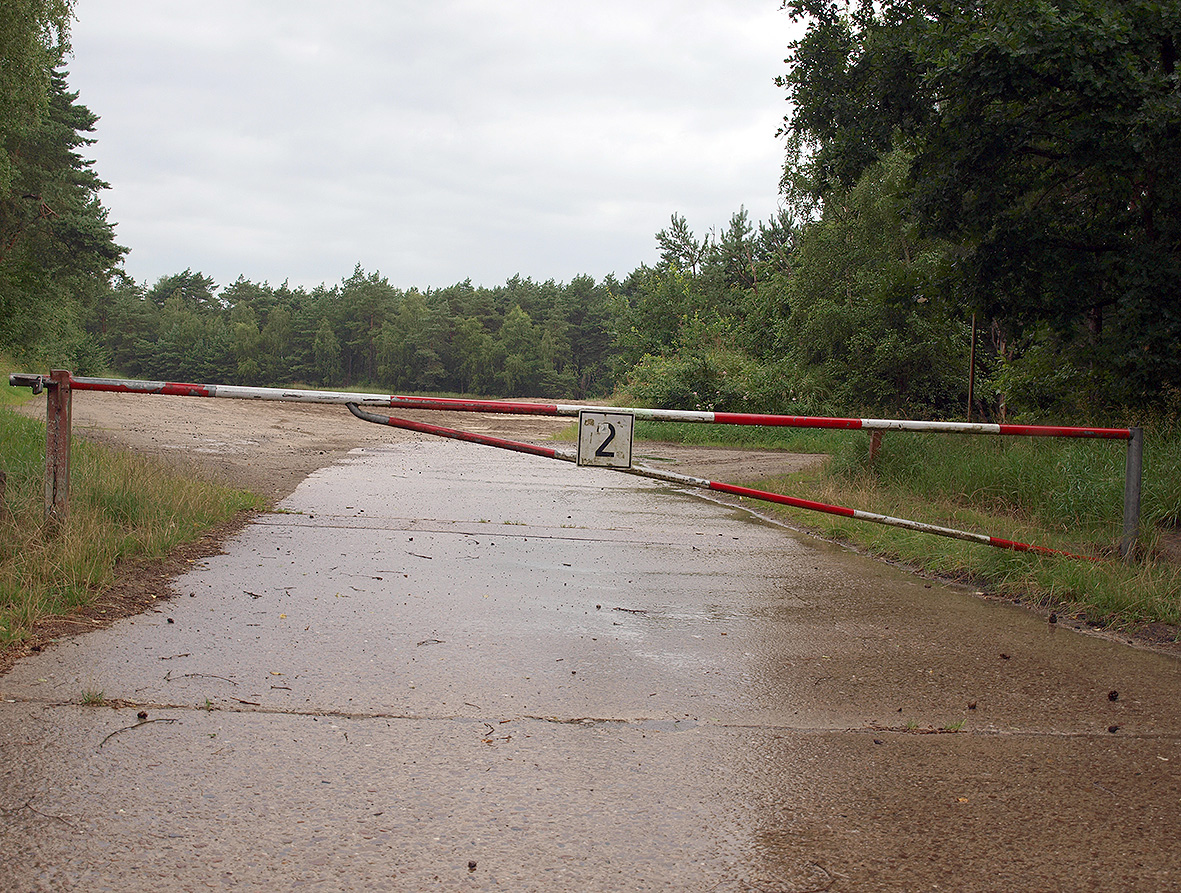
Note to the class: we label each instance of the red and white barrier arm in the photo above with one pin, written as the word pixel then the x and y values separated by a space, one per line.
pixel 570 455
pixel 519 407
pixel 516 446
pixel 857 514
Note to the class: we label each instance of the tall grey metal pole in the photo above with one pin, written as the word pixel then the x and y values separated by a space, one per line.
pixel 1132 475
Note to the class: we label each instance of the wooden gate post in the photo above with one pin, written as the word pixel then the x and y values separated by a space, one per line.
pixel 57 446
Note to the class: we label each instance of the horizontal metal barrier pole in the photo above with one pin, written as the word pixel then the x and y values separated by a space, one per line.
pixel 467 436
pixel 518 407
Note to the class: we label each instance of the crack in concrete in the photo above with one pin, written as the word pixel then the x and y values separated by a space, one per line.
pixel 649 723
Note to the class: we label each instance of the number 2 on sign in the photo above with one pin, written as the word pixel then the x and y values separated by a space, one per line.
pixel 602 450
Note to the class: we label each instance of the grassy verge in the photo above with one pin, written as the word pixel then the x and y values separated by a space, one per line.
pixel 1063 494
pixel 121 506
pixel 795 440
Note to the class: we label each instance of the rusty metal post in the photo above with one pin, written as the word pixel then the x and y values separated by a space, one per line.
pixel 58 400
pixel 875 444
pixel 1134 471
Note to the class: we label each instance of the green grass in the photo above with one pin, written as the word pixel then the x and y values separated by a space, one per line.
pixel 754 437
pixel 1064 494
pixel 121 506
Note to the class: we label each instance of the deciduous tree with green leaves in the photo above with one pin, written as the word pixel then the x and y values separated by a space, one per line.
pixel 1045 139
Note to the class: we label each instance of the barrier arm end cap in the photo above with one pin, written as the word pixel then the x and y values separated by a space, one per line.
pixel 27 380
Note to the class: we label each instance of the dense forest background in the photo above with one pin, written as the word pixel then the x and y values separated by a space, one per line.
pixel 992 169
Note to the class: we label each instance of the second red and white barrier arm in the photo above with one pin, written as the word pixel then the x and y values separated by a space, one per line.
pixel 570 455
pixel 516 446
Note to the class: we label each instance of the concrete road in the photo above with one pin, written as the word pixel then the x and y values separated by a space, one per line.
pixel 442 667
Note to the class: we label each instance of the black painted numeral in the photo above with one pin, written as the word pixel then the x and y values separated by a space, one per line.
pixel 602 450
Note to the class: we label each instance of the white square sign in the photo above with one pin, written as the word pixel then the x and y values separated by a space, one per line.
pixel 605 438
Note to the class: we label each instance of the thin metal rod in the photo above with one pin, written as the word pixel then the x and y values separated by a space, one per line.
pixel 972 369
pixel 875 444
pixel 454 434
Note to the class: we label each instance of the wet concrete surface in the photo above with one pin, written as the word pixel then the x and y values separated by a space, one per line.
pixel 442 668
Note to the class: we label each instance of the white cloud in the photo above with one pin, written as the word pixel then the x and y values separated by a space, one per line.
pixel 433 142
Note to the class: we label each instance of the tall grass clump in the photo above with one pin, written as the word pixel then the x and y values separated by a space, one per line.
pixel 121 506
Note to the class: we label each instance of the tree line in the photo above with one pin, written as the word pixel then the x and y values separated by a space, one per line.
pixel 523 338
pixel 526 338
pixel 988 170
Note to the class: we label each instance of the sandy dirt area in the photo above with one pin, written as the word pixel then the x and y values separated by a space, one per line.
pixel 270 447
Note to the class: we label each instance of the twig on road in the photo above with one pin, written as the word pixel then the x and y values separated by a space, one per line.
pixel 142 722
pixel 28 804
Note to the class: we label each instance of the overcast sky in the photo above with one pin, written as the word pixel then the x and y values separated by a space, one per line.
pixel 431 141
